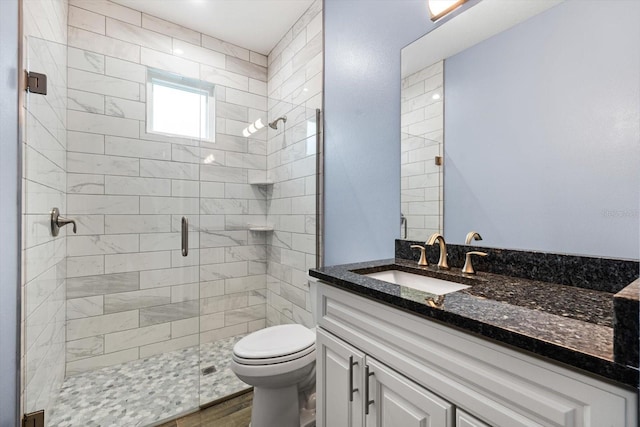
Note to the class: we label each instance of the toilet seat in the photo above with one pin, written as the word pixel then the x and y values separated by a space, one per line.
pixel 273 360
pixel 275 344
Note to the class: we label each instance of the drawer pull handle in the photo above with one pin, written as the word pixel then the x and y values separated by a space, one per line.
pixel 367 374
pixel 351 389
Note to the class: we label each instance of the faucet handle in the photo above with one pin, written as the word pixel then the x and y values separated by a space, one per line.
pixel 423 256
pixel 468 266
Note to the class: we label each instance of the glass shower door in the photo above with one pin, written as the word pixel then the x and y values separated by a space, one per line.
pixel 257 235
pixel 111 318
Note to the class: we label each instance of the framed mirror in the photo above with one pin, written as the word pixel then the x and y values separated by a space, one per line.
pixel 533 109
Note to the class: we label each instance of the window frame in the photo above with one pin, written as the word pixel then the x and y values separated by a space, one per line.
pixel 186 84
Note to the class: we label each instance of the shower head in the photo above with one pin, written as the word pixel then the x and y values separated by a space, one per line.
pixel 274 124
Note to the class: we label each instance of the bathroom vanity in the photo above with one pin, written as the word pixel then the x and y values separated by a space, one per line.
pixel 486 355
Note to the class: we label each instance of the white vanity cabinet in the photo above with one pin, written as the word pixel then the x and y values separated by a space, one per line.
pixel 357 390
pixel 425 373
pixel 466 420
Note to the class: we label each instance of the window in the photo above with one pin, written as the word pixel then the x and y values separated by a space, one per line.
pixel 180 106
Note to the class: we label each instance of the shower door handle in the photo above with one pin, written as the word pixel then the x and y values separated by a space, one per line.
pixel 185 236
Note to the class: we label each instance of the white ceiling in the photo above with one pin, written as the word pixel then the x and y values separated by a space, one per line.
pixel 478 23
pixel 253 24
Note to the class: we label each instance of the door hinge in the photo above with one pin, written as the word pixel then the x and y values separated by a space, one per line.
pixel 36 83
pixel 34 419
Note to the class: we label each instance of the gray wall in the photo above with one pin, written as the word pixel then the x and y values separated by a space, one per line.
pixel 363 39
pixel 10 230
pixel 541 133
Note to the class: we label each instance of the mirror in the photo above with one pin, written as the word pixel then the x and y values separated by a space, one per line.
pixel 534 107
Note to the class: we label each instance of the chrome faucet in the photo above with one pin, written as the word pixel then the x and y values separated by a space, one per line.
pixel 472 235
pixel 442 262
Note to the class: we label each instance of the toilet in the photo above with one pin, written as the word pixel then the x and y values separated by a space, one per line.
pixel 279 362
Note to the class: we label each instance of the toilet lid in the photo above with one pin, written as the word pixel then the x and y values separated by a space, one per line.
pixel 274 341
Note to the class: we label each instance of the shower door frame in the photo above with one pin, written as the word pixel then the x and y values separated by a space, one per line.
pixel 10 190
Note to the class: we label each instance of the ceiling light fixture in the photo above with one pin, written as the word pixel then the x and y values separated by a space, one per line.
pixel 439 8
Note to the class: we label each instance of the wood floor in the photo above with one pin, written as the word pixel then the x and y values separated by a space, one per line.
pixel 235 412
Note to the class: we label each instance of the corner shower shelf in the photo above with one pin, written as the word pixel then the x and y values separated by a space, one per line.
pixel 265 182
pixel 253 227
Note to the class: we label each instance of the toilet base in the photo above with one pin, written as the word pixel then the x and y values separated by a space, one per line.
pixel 272 407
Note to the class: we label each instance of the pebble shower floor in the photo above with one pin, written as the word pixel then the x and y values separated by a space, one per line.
pixel 147 391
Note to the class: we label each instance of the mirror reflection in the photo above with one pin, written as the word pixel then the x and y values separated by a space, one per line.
pixel 533 107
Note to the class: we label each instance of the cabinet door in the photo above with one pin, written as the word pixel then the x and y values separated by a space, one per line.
pixel 395 401
pixel 465 420
pixel 339 382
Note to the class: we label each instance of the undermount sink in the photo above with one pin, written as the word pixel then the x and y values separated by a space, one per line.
pixel 417 281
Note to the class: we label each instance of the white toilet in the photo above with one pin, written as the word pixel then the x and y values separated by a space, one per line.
pixel 279 362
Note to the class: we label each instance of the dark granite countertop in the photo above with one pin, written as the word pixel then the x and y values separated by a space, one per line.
pixel 567 324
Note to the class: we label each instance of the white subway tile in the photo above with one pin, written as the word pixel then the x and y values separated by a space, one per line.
pixel 85 142
pixel 188 292
pixel 181 328
pixel 185 188
pixel 94 123
pixel 101 164
pixel 108 8
pixel 85 101
pixel 173 170
pixel 126 301
pixel 129 147
pixel 198 54
pixel 169 205
pixel 258 58
pixel 86 20
pixel 137 186
pixel 168 277
pixel 246 99
pixel 171 345
pixel 211 321
pixel 117 224
pixel 221 333
pixel 138 35
pixel 98 325
pixel 102 244
pixel 168 62
pixel 121 263
pixel 125 70
pixel 124 108
pixel 97 43
pixel 246 68
pixel 138 337
pixel 92 363
pixel 224 47
pixel 85 266
pixel 171 29
pixel 89 224
pixel 78 308
pixel 224 78
pixel 85 60
pixel 258 87
pixel 85 184
pixel 105 85
pixel 166 242
pixel 101 205
pixel 83 348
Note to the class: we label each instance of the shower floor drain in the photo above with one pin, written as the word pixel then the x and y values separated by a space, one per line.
pixel 209 370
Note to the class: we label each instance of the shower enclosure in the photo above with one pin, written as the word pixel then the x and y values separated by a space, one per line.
pixel 195 225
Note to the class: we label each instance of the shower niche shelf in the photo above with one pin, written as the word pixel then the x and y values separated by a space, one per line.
pixel 264 228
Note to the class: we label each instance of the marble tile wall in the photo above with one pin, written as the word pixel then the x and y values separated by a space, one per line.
pixel 130 293
pixel 422 124
pixel 44 142
pixel 294 86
